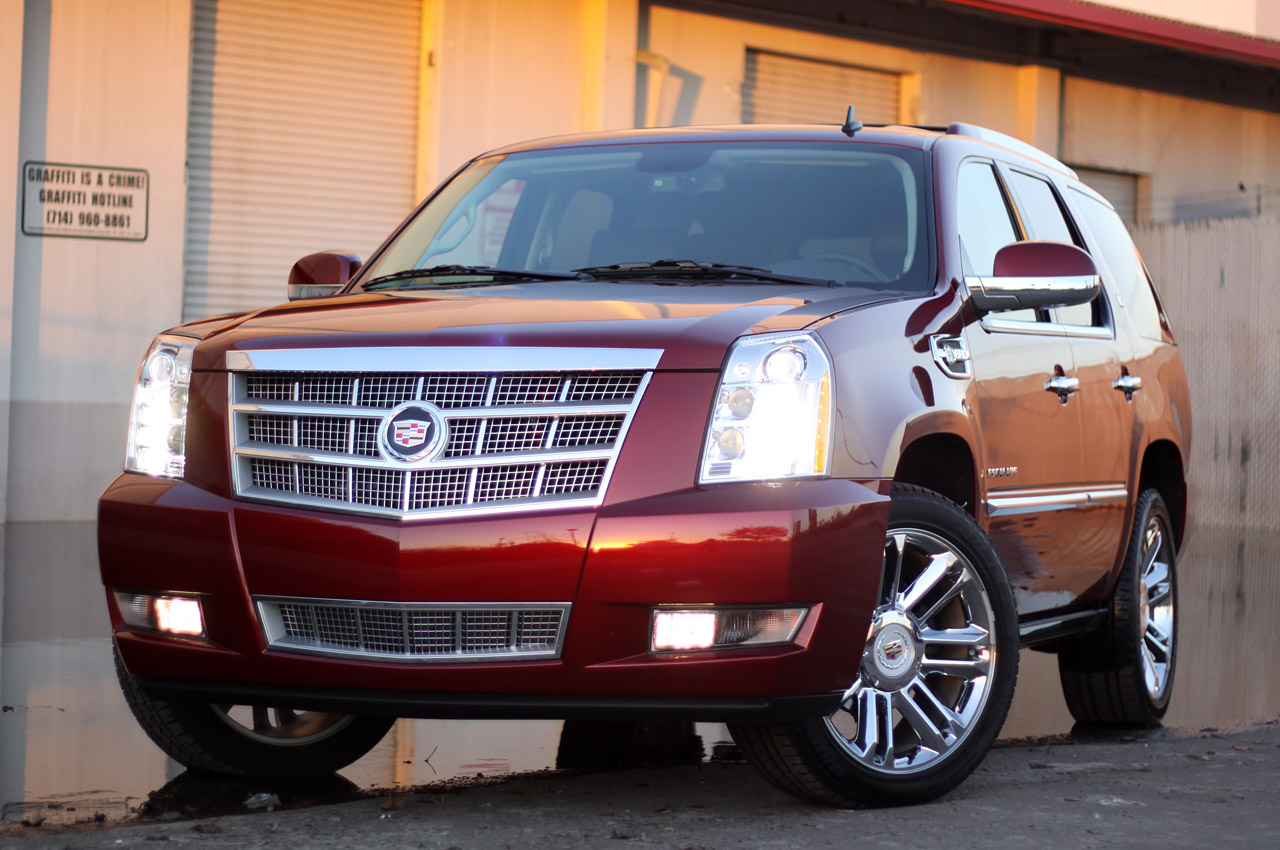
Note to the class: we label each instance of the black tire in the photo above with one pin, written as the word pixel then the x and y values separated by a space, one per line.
pixel 942 581
pixel 623 744
pixel 208 737
pixel 1122 673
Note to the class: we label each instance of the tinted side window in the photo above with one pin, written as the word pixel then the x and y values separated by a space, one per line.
pixel 1039 208
pixel 1110 238
pixel 982 216
pixel 1043 214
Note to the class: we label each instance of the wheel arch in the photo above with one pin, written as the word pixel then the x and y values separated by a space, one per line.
pixel 942 461
pixel 1163 469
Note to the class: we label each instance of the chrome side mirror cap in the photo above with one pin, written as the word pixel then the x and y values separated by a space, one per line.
pixel 1036 274
pixel 322 274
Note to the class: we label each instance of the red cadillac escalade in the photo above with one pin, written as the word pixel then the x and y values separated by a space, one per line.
pixel 805 429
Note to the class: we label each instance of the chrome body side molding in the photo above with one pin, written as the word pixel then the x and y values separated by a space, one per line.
pixel 1031 501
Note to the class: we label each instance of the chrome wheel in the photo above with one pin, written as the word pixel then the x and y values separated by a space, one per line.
pixel 928 661
pixel 1155 600
pixel 935 671
pixel 1122 673
pixel 282 727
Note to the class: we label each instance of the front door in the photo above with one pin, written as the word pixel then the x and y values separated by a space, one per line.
pixel 1029 425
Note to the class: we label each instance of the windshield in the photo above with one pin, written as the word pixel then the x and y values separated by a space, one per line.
pixel 831 212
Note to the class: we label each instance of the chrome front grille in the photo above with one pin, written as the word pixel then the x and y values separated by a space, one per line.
pixel 306 426
pixel 414 631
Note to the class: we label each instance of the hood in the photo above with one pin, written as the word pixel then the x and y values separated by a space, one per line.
pixel 693 323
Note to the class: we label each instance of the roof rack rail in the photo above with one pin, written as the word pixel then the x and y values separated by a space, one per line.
pixel 1017 146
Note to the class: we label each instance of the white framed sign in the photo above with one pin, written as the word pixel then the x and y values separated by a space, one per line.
pixel 85 201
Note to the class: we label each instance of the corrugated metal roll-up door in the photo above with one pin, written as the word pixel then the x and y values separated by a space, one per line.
pixel 779 89
pixel 302 136
pixel 1117 187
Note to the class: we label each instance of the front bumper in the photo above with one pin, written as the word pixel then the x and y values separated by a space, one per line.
pixel 815 543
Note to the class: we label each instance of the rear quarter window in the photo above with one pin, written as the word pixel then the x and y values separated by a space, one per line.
pixel 1108 237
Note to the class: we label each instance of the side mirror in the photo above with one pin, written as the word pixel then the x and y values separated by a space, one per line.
pixel 322 274
pixel 1036 274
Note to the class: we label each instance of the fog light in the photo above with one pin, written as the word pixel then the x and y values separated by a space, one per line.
pixel 175 615
pixel 723 628
pixel 684 629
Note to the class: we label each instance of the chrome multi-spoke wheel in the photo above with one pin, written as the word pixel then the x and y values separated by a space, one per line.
pixel 1155 602
pixel 935 677
pixel 251 740
pixel 1122 674
pixel 927 665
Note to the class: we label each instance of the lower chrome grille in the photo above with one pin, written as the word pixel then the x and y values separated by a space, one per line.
pixel 518 428
pixel 428 488
pixel 414 631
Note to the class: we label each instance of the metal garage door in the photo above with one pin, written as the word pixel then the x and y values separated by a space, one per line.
pixel 779 89
pixel 1117 187
pixel 302 136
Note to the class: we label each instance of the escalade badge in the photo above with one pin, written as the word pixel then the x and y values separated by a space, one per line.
pixel 413 431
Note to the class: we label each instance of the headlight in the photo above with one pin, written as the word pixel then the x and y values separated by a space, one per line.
pixel 772 417
pixel 158 417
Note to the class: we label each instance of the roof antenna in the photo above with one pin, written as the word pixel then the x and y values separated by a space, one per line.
pixel 851 124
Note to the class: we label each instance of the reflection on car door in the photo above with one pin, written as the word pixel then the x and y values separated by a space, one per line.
pixel 1106 416
pixel 1030 437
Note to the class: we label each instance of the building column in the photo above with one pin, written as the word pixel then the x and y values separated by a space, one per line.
pixel 11 20
pixel 1039 107
pixel 608 64
pixel 503 71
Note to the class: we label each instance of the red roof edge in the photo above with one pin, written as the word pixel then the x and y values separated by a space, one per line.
pixel 1139 27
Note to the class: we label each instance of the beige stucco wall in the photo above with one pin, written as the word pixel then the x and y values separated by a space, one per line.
pixel 950 89
pixel 103 84
pixel 1268 20
pixel 502 71
pixel 1197 153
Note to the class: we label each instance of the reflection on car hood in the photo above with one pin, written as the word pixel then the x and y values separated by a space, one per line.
pixel 693 323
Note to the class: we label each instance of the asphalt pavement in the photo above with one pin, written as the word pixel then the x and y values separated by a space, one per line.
pixel 1157 789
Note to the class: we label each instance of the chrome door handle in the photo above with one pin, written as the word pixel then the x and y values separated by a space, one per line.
pixel 1063 385
pixel 1127 384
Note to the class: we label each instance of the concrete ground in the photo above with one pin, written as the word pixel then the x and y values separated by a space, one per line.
pixel 1158 790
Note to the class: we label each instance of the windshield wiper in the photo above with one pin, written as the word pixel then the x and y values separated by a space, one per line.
pixel 698 269
pixel 390 281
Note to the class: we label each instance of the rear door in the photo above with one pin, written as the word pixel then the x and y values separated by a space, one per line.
pixel 1140 326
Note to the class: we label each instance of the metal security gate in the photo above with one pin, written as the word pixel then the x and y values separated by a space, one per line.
pixel 302 136
pixel 780 89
